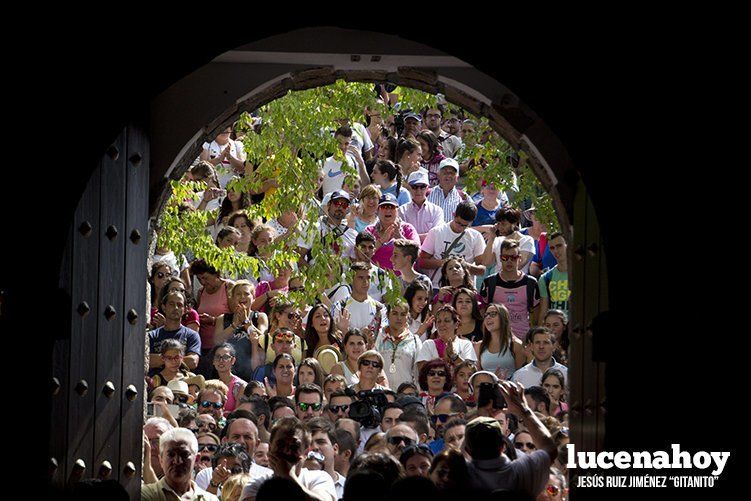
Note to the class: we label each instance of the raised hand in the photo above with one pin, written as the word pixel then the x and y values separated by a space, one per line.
pixel 344 318
pixel 271 392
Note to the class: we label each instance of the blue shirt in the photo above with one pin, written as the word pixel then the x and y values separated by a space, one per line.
pixel 190 338
pixel 403 198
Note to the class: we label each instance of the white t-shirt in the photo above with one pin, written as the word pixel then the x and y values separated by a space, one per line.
pixel 204 476
pixel 315 480
pixel 360 137
pixel 224 170
pixel 462 347
pixel 322 228
pixel 439 239
pixel 362 314
pixel 526 244
pixel 333 174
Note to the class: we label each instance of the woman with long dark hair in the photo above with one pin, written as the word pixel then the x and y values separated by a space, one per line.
pixel 455 273
pixel 420 321
pixel 470 318
pixel 431 154
pixel 499 351
pixel 321 331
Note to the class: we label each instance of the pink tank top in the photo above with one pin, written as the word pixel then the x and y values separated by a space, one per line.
pixel 214 304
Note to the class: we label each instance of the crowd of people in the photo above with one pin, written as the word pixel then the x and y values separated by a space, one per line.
pixel 455 384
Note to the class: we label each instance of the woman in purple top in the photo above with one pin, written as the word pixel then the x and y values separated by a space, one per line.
pixel 389 228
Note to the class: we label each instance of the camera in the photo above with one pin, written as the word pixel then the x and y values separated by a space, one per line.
pixel 490 392
pixel 368 408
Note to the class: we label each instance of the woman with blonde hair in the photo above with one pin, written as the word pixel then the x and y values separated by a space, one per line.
pixel 366 213
pixel 243 328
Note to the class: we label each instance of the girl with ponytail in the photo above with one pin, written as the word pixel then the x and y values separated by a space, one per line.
pixel 388 176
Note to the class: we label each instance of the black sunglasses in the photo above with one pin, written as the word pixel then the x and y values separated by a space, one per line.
pixel 396 440
pixel 441 417
pixel 375 364
pixel 208 447
pixel 337 408
pixel 206 404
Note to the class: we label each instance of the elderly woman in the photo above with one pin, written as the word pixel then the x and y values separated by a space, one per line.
pixel 370 366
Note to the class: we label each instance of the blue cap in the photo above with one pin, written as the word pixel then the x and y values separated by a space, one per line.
pixel 388 199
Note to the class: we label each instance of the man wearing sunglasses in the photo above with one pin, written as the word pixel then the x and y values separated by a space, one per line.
pixel 491 468
pixel 338 407
pixel 420 213
pixel 308 402
pixel 399 437
pixel 342 238
pixel 450 406
pixel 211 401
pixel 514 289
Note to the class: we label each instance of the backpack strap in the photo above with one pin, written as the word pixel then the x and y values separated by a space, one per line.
pixel 531 289
pixel 488 287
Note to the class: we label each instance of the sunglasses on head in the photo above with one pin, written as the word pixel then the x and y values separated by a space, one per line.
pixel 208 447
pixel 417 447
pixel 373 363
pixel 284 336
pixel 520 445
pixel 293 315
pixel 336 408
pixel 433 373
pixel 396 440
pixel 304 407
pixel 206 404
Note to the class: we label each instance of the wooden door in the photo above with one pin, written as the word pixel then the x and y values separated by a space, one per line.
pixel 98 366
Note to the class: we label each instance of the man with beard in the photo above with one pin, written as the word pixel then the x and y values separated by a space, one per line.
pixel 450 143
pixel 330 228
pixel 288 449
pixel 177 454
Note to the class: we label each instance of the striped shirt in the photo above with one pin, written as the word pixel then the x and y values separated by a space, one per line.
pixel 446 202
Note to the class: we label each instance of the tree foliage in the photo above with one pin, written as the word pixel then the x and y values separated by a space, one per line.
pixel 294 137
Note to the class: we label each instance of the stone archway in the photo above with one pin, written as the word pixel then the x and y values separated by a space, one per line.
pixel 92 400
